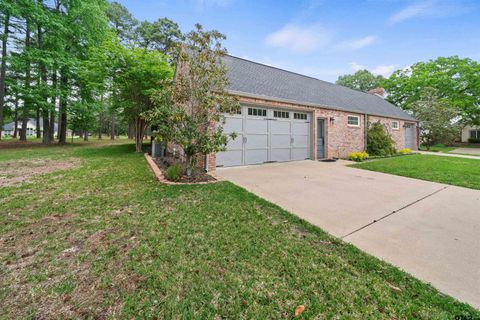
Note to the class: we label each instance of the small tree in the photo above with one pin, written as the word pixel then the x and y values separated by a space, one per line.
pixel 189 111
pixel 437 118
pixel 379 142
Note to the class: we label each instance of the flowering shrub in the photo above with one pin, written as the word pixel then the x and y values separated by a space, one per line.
pixel 405 151
pixel 358 156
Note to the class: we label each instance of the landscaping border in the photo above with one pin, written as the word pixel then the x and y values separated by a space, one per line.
pixel 161 177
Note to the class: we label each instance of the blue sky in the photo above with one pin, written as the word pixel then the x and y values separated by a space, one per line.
pixel 324 38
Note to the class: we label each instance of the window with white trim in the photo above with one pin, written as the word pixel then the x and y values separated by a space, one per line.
pixel 353 121
pixel 299 116
pixel 281 114
pixel 395 125
pixel 257 112
pixel 474 134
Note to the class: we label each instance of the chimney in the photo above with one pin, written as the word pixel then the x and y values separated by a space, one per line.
pixel 378 92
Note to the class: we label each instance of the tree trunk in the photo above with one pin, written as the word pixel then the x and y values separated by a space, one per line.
pixel 100 126
pixel 62 114
pixel 27 98
pixel 131 130
pixel 85 135
pixel 112 126
pixel 52 125
pixel 38 131
pixel 3 69
pixel 46 138
pixel 139 131
pixel 188 160
pixel 23 131
pixel 15 130
pixel 53 101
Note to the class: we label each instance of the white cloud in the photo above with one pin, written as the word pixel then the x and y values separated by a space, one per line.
pixel 300 39
pixel 383 70
pixel 357 43
pixel 355 66
pixel 432 8
pixel 411 11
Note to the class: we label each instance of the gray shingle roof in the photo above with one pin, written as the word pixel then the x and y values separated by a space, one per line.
pixel 258 79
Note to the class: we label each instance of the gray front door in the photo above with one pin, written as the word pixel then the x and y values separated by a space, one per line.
pixel 320 138
pixel 409 136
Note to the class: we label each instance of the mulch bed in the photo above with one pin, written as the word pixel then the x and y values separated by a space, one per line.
pixel 198 175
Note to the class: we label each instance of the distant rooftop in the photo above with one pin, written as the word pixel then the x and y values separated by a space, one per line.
pixel 32 123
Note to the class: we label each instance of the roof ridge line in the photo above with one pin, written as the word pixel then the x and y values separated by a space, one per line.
pixel 295 73
pixel 278 68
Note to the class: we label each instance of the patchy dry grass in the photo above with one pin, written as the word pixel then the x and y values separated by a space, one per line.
pixel 20 171
pixel 105 240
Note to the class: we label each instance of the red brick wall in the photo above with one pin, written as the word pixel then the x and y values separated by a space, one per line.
pixel 398 135
pixel 341 139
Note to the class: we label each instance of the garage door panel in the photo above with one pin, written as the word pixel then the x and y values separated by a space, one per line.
pixel 256 156
pixel 261 140
pixel 233 125
pixel 280 141
pixel 229 158
pixel 300 141
pixel 235 144
pixel 280 155
pixel 256 125
pixel 281 127
pixel 300 154
pixel 301 128
pixel 256 141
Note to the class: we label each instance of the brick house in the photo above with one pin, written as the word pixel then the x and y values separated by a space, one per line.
pixel 287 116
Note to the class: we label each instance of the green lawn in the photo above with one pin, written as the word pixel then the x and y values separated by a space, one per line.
pixel 448 149
pixel 439 148
pixel 450 170
pixel 106 240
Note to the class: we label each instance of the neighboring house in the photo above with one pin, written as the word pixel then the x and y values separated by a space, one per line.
pixel 470 132
pixel 9 128
pixel 287 116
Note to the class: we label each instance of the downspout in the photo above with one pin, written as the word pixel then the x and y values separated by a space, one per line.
pixel 206 163
pixel 418 136
pixel 365 131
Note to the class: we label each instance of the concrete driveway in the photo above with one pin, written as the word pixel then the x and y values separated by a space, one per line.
pixel 430 230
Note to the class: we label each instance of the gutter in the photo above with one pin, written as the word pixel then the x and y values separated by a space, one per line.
pixel 308 104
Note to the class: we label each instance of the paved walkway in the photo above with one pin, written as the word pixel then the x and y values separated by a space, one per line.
pixel 472 151
pixel 441 154
pixel 429 229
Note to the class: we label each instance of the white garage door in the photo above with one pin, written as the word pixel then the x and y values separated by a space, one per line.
pixel 266 135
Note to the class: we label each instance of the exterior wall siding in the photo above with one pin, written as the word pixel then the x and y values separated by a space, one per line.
pixel 398 135
pixel 466 132
pixel 341 139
